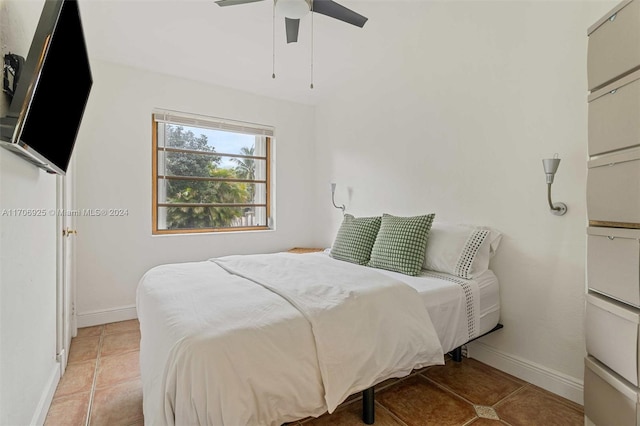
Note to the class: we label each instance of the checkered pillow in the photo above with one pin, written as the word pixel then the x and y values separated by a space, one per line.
pixel 355 238
pixel 401 243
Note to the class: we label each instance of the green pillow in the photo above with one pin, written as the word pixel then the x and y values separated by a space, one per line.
pixel 401 243
pixel 355 238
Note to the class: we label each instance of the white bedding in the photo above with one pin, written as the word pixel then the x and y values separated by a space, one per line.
pixel 444 297
pixel 218 348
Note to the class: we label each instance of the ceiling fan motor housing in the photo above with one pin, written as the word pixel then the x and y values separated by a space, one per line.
pixel 294 9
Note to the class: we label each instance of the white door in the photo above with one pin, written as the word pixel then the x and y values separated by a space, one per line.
pixel 65 222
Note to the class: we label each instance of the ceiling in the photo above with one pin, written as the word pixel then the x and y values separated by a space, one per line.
pixel 233 46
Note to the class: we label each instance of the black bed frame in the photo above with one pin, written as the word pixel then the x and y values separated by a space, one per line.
pixel 368 400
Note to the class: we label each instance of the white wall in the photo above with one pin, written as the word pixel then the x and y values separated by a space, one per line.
pixel 114 171
pixel 451 112
pixel 28 368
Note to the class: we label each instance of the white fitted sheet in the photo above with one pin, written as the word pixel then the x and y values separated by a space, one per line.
pixel 442 299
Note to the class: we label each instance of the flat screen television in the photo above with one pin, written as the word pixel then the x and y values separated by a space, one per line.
pixel 52 92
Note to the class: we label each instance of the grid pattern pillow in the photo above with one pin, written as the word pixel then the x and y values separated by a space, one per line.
pixel 355 239
pixel 401 243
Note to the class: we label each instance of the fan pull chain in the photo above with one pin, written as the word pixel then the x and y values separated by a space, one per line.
pixel 312 49
pixel 273 75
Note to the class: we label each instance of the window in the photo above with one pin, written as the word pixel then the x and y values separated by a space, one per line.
pixel 210 174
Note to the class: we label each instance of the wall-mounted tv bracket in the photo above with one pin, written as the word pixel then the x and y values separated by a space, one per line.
pixel 11 73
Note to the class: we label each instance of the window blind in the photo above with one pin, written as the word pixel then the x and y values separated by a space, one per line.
pixel 188 119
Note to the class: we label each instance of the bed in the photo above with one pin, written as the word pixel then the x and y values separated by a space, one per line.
pixel 269 339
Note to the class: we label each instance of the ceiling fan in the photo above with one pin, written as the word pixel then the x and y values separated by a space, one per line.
pixel 293 10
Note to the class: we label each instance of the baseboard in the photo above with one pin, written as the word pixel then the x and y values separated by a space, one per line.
pixel 40 414
pixel 539 375
pixel 89 319
pixel 62 361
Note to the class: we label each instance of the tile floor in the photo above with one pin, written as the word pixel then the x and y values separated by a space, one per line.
pixel 102 387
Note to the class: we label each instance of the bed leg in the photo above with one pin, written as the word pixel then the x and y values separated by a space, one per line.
pixel 368 406
pixel 456 354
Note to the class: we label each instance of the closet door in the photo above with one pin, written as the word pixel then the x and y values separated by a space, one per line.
pixel 65 318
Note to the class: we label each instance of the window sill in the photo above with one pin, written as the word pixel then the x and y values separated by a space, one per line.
pixel 207 232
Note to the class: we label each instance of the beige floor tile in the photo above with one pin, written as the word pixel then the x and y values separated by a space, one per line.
pixel 351 415
pixel 485 412
pixel 113 344
pixel 122 327
pixel 534 406
pixel 416 401
pixel 119 368
pixel 486 422
pixel 78 377
pixel 119 405
pixel 90 331
pixel 84 348
pixel 474 381
pixel 385 384
pixel 68 410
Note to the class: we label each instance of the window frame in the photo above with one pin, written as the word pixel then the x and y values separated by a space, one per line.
pixel 155 205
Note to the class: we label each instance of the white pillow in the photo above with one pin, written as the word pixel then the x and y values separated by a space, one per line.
pixel 460 250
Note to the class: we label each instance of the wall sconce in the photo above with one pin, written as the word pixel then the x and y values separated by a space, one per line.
pixel 333 191
pixel 550 167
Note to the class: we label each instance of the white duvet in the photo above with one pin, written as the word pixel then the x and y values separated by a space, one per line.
pixel 266 339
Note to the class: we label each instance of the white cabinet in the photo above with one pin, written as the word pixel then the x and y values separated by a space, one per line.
pixel 614 44
pixel 612 367
pixel 613 189
pixel 614 112
pixel 612 325
pixel 613 262
pixel 608 400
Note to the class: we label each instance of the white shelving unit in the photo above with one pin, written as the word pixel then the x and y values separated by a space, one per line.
pixel 612 367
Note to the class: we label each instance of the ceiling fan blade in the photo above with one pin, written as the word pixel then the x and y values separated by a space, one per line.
pixel 234 2
pixel 334 10
pixel 293 25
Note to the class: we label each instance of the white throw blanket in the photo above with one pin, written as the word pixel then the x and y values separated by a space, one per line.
pixel 219 349
pixel 367 326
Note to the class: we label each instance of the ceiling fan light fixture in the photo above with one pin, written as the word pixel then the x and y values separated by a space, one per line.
pixel 294 9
